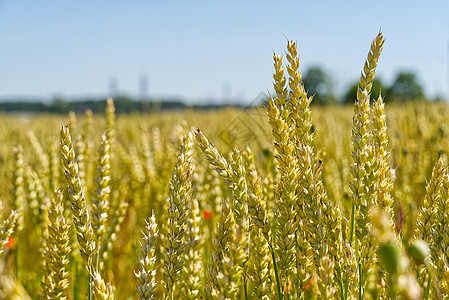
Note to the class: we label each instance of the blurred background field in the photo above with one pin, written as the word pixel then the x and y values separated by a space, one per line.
pixel 178 66
pixel 144 153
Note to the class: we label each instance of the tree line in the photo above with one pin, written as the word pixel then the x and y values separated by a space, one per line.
pixel 405 87
pixel 123 105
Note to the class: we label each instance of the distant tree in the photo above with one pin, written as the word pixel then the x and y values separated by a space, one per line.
pixel 406 87
pixel 59 105
pixel 318 84
pixel 378 87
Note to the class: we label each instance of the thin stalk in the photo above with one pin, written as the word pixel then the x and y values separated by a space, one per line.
pixel 360 282
pixel 245 288
pixel 346 287
pixel 276 272
pixel 75 283
pixel 341 283
pixel 427 291
pixel 90 287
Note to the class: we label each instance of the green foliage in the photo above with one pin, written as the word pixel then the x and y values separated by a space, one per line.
pixel 405 87
pixel 319 85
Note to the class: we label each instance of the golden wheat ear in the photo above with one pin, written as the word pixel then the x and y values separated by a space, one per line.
pixel 180 196
pixel 100 202
pixel 362 179
pixel 146 274
pixel 7 228
pixel 81 216
pixel 56 276
pixel 18 189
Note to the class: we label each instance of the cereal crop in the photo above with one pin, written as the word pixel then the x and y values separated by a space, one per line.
pixel 315 203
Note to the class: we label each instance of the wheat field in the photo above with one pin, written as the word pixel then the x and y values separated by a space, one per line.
pixel 297 202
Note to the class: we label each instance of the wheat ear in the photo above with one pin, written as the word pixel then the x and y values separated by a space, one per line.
pixel 100 202
pixel 385 175
pixel 81 217
pixel 221 280
pixel 233 175
pixel 286 197
pixel 362 176
pixel 259 259
pixel 110 119
pixel 56 277
pixel 440 237
pixel 180 194
pixel 18 189
pixel 102 290
pixel 7 228
pixel 43 158
pixel 426 217
pixel 191 274
pixel 146 275
pixel 116 220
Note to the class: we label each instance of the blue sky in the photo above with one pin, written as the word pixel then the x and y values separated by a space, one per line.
pixel 199 50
